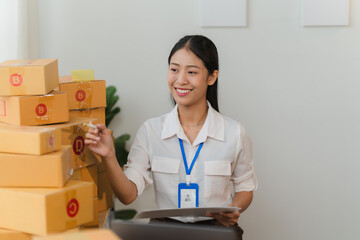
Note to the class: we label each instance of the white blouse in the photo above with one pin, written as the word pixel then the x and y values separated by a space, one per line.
pixel 226 156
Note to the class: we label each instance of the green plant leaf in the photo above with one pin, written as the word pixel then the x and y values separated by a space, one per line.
pixel 120 149
pixel 125 214
pixel 110 115
pixel 110 93
pixel 112 102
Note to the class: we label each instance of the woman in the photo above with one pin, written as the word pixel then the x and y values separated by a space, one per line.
pixel 193 152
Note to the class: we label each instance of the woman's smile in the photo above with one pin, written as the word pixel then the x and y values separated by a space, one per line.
pixel 182 91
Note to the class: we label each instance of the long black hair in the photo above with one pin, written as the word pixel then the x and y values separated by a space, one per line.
pixel 206 50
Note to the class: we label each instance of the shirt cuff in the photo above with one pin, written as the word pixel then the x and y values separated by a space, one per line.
pixel 136 178
pixel 250 184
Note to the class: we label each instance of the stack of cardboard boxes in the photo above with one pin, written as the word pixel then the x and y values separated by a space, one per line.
pixel 48 177
pixel 87 98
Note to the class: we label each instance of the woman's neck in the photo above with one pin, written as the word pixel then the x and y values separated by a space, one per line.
pixel 192 116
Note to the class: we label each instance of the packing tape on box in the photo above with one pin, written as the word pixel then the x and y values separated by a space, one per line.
pixel 70 167
pixel 72 208
pixel 84 94
pixel 44 108
pixel 23 63
pixel 3 108
pixel 79 148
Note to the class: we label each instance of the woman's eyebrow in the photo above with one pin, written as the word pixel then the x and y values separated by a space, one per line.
pixel 188 66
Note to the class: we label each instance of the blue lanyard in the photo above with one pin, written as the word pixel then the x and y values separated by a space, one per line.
pixel 187 169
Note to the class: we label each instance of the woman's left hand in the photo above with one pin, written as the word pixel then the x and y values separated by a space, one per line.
pixel 225 218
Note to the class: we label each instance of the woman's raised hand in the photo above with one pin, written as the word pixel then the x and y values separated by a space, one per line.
pixel 100 141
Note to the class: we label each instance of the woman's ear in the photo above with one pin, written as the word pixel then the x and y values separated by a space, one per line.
pixel 212 77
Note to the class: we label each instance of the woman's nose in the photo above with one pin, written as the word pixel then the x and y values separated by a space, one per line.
pixel 182 79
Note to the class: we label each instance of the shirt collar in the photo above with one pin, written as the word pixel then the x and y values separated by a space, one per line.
pixel 213 127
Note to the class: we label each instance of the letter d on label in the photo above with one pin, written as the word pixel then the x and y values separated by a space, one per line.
pixel 78 145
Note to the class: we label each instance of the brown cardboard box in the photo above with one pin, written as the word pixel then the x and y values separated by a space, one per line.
pixel 88 174
pixel 105 193
pixel 98 113
pixel 75 136
pixel 42 211
pixel 103 218
pixel 29 140
pixel 28 77
pixel 13 235
pixel 34 110
pixel 48 170
pixel 102 234
pixel 95 222
pixel 82 95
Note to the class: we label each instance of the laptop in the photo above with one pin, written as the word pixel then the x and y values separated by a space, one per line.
pixel 127 230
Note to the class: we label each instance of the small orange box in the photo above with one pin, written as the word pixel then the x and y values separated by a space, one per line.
pixel 34 110
pixel 28 77
pixel 48 170
pixel 82 95
pixel 88 174
pixel 98 113
pixel 42 211
pixel 75 136
pixel 35 140
pixel 105 193
pixel 13 235
pixel 103 234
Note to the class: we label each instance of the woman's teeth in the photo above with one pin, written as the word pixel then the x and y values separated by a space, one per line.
pixel 183 91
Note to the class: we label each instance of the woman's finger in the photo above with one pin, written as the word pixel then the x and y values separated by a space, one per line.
pixel 92 137
pixel 101 126
pixel 88 142
pixel 93 130
pixel 230 215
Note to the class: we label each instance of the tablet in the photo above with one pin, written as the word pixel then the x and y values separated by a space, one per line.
pixel 184 212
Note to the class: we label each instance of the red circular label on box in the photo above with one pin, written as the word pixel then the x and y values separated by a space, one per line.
pixel 72 207
pixel 80 95
pixel 78 145
pixel 41 109
pixel 16 80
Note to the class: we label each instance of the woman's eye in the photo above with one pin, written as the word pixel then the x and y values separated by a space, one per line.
pixel 173 69
pixel 191 72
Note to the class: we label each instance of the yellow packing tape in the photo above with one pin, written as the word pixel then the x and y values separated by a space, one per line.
pixel 82 75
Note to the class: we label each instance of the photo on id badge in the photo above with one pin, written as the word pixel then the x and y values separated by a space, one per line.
pixel 188 195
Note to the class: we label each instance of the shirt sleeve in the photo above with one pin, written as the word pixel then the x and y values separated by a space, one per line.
pixel 137 168
pixel 243 176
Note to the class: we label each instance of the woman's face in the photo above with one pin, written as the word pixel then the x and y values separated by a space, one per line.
pixel 188 78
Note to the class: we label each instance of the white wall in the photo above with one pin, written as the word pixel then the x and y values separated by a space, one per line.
pixel 296 90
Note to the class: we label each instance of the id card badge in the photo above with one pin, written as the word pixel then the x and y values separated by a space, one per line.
pixel 188 195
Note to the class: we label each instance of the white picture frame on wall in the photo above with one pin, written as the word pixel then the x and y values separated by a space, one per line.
pixel 325 12
pixel 222 13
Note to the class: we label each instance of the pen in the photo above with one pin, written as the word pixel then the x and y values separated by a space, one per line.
pixel 90 125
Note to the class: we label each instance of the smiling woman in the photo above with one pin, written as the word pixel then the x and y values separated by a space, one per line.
pixel 191 154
